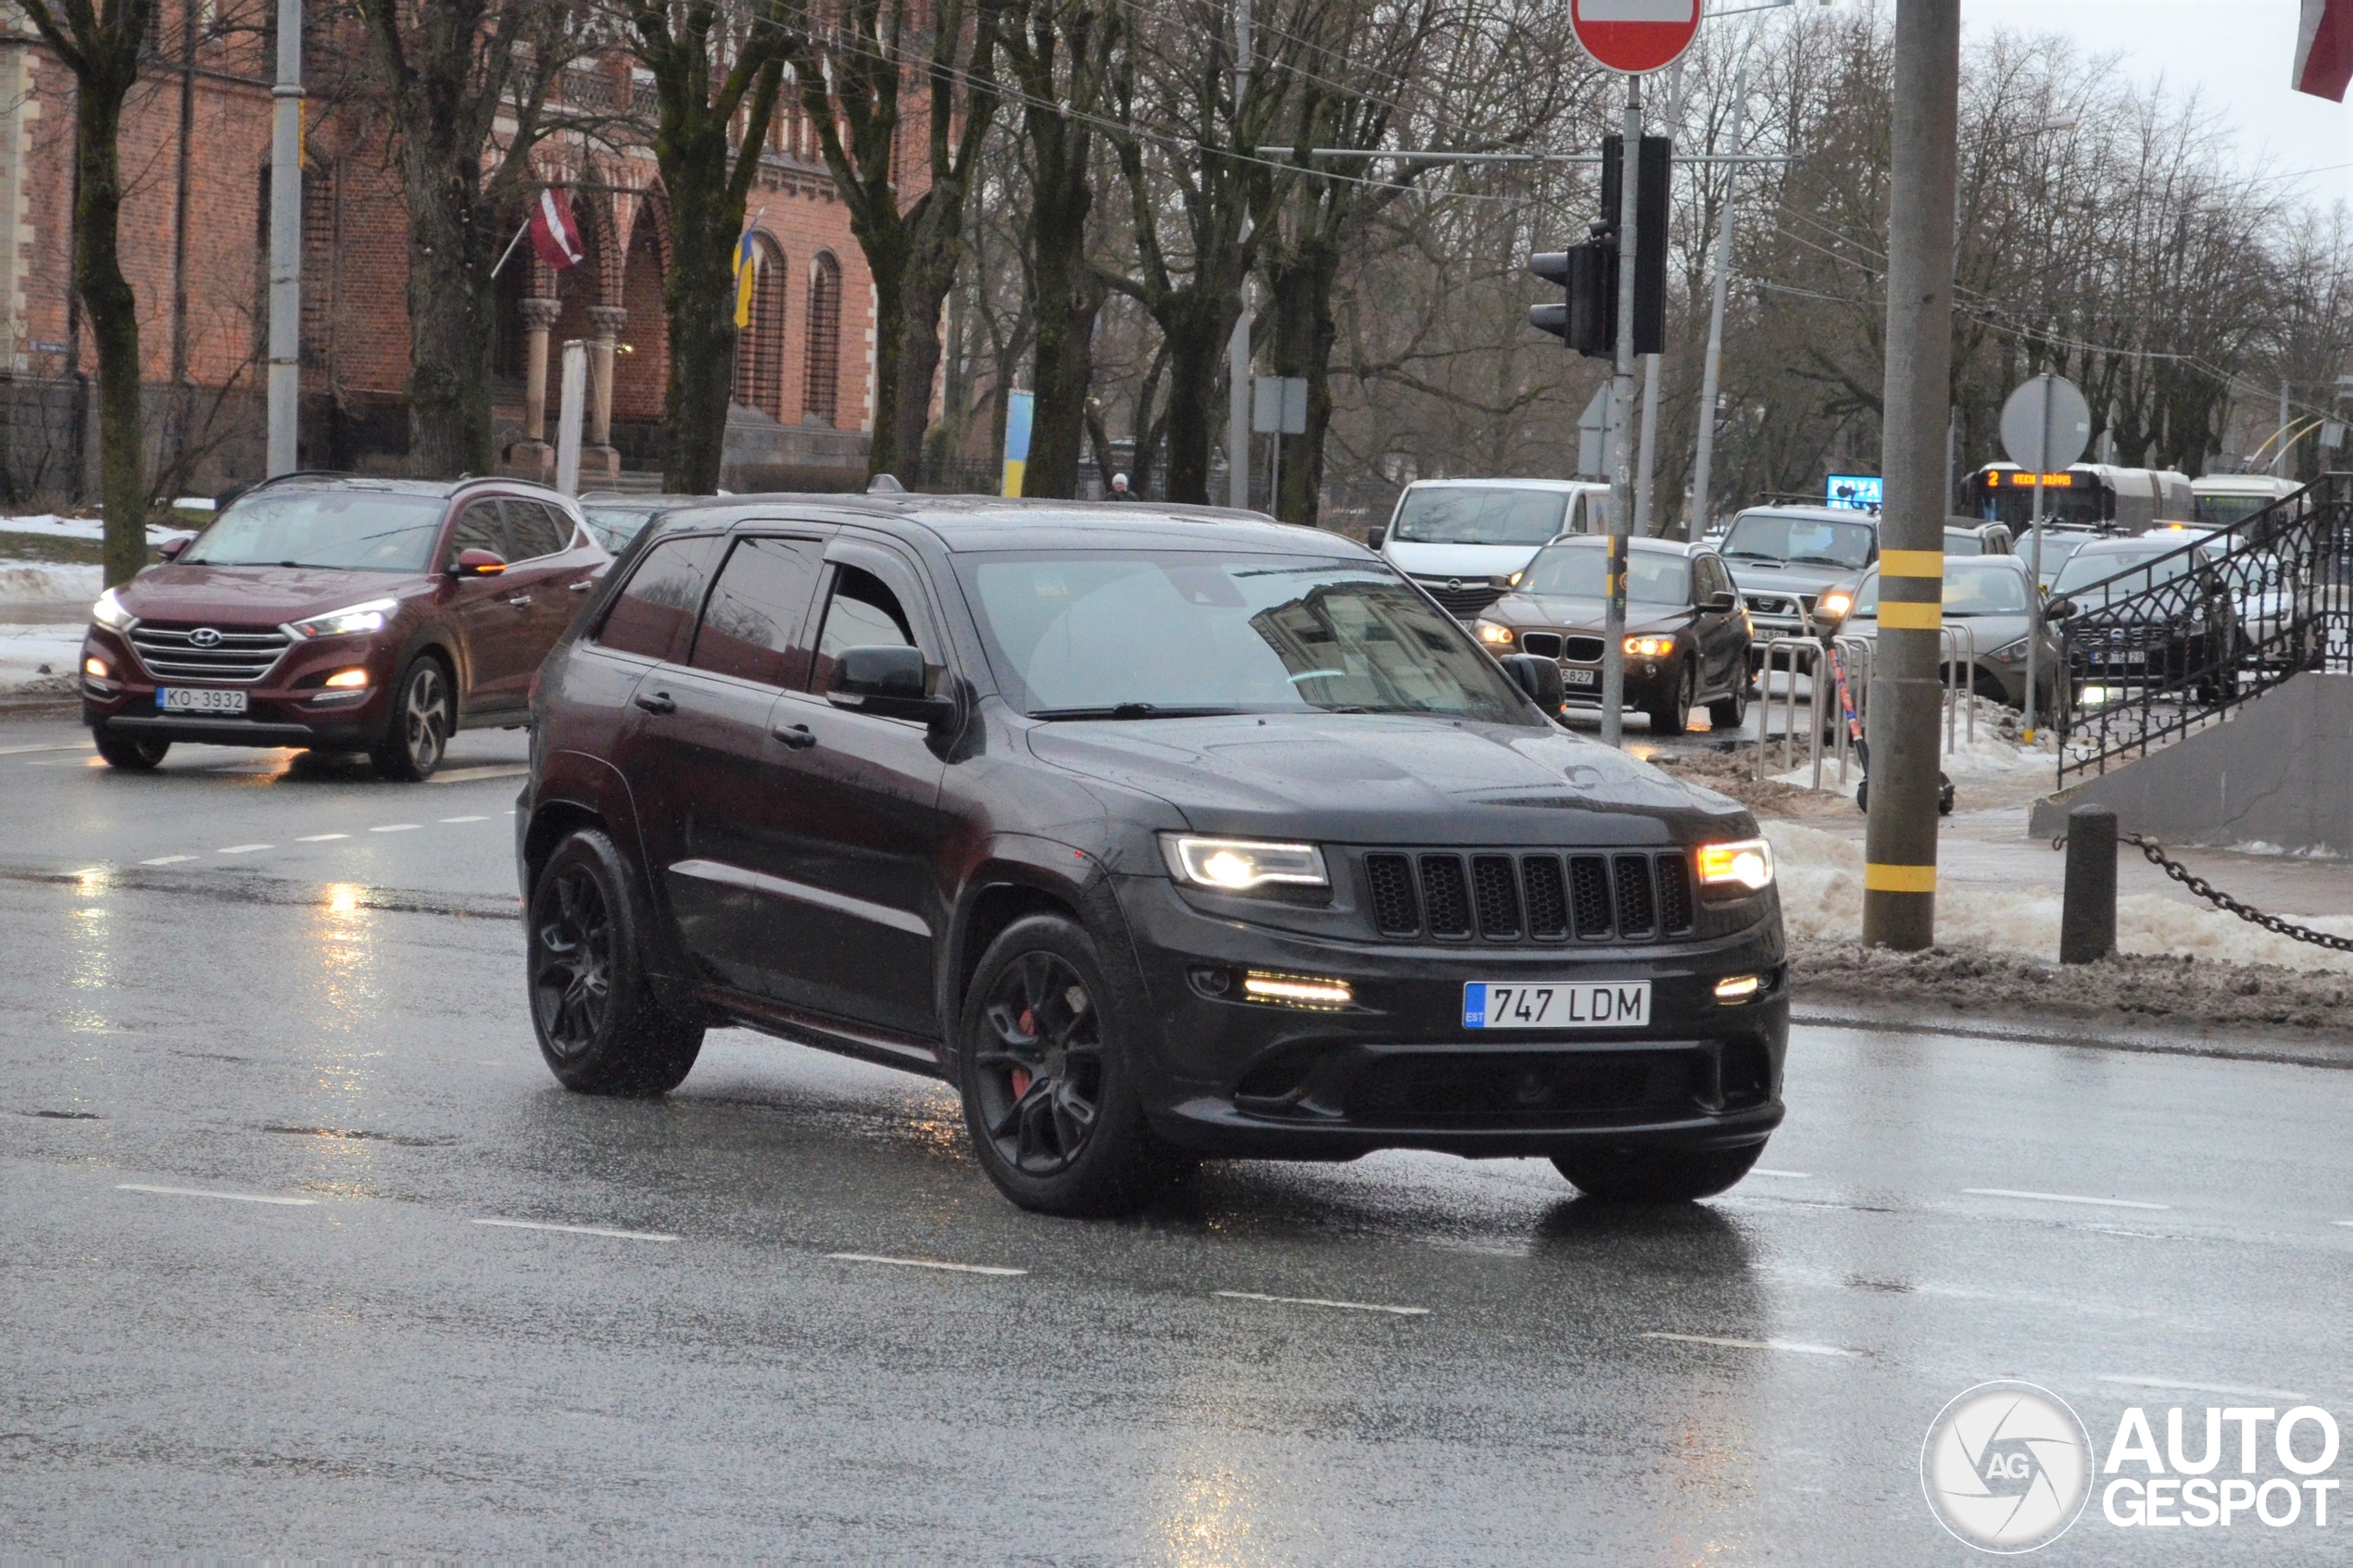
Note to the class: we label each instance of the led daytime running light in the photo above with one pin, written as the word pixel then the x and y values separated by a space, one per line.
pixel 1297 990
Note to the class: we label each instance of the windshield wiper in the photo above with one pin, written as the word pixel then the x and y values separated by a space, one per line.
pixel 1750 555
pixel 1135 710
pixel 1822 560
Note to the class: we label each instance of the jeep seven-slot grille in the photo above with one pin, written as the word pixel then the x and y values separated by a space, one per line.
pixel 1496 897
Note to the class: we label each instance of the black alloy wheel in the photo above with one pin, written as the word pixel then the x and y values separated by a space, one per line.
pixel 602 1028
pixel 1674 717
pixel 131 753
pixel 417 730
pixel 1039 1067
pixel 1728 713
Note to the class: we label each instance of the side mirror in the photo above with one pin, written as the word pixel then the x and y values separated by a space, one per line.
pixel 1539 677
pixel 888 682
pixel 1721 602
pixel 1376 537
pixel 170 548
pixel 478 563
pixel 2058 609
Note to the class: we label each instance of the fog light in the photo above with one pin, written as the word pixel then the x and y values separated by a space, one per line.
pixel 1297 990
pixel 348 680
pixel 96 669
pixel 1738 987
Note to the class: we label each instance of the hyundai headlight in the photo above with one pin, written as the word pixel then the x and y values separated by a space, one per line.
pixel 2009 653
pixel 109 612
pixel 351 621
pixel 1237 865
pixel 1746 862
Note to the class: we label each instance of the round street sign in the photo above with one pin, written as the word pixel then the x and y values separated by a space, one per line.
pixel 2035 417
pixel 1635 35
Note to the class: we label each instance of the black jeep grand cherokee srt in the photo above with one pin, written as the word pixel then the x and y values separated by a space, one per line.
pixel 1160 834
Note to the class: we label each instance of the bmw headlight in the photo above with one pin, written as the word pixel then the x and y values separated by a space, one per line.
pixel 1237 865
pixel 110 613
pixel 351 621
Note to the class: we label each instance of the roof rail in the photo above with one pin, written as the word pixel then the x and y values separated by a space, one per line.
pixel 299 473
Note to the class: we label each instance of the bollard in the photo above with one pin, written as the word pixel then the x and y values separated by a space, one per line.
pixel 2087 919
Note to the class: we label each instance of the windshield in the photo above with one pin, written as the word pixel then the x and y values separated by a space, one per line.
pixel 1478 515
pixel 1100 634
pixel 1972 589
pixel 615 526
pixel 1814 541
pixel 1578 572
pixel 2129 568
pixel 2223 512
pixel 343 529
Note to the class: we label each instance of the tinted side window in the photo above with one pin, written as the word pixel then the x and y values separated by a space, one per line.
pixel 861 613
pixel 534 530
pixel 477 528
pixel 750 628
pixel 655 614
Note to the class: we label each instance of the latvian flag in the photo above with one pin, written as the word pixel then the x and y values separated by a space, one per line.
pixel 553 233
pixel 2324 49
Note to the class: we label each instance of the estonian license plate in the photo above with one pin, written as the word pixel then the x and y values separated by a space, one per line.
pixel 199 700
pixel 1557 1005
pixel 1580 677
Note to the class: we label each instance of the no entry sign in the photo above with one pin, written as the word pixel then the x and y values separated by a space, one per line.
pixel 1635 35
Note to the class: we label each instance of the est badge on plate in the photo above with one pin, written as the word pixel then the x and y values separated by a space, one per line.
pixel 1557 1004
pixel 199 700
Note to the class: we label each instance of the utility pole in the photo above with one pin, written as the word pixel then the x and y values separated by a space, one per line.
pixel 1899 872
pixel 285 240
pixel 1238 345
pixel 1621 490
pixel 1704 469
pixel 2279 460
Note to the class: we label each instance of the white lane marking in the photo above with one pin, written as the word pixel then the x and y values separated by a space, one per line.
pixel 398 827
pixel 2064 1197
pixel 167 859
pixel 1784 1175
pixel 2347 1223
pixel 465 819
pixel 232 1197
pixel 244 849
pixel 2188 1387
pixel 1795 1346
pixel 26 750
pixel 1319 1301
pixel 922 1263
pixel 580 1230
pixel 321 837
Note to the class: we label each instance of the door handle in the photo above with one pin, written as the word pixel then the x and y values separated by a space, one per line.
pixel 583 585
pixel 520 601
pixel 795 738
pixel 657 702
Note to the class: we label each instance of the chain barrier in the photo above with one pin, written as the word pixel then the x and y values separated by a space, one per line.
pixel 2154 854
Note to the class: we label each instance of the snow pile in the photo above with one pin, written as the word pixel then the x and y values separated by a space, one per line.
pixel 1821 878
pixel 48 525
pixel 1997 753
pixel 39 659
pixel 26 583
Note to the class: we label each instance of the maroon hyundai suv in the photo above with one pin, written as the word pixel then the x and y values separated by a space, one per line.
pixel 340 614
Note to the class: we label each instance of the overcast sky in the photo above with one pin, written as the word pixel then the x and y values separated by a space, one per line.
pixel 2238 56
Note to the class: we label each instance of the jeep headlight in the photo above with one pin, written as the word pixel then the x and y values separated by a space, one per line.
pixel 351 621
pixel 109 612
pixel 1746 862
pixel 1237 865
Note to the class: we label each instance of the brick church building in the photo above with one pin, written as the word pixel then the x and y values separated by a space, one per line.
pixel 195 235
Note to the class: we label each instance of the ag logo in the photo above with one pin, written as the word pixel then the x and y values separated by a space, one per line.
pixel 204 637
pixel 2006 1467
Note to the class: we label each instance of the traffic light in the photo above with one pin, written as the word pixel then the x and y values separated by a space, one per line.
pixel 1587 319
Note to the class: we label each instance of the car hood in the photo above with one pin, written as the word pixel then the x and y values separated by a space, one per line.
pixel 1763 576
pixel 1584 615
pixel 256 595
pixel 1389 779
pixel 1470 562
pixel 1991 632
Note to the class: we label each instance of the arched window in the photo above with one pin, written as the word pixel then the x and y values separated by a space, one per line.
pixel 760 347
pixel 822 399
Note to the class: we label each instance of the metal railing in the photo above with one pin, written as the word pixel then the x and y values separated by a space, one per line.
pixel 1827 735
pixel 2180 642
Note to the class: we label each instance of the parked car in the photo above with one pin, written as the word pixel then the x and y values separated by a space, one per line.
pixel 2059 540
pixel 617 517
pixel 1687 637
pixel 1160 832
pixel 2124 633
pixel 1992 596
pixel 1783 557
pixel 1462 539
pixel 340 614
pixel 1965 536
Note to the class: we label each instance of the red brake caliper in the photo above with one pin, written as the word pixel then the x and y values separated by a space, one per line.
pixel 1021 1075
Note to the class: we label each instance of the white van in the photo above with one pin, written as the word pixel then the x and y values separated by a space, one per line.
pixel 1462 539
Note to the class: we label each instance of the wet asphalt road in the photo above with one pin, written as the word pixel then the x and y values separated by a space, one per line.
pixel 399 1357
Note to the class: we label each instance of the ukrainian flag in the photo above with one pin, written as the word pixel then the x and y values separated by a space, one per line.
pixel 1018 407
pixel 747 272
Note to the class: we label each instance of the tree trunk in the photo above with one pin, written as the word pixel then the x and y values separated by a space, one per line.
pixel 1195 330
pixel 114 325
pixel 1304 335
pixel 452 322
pixel 698 297
pixel 922 295
pixel 1069 297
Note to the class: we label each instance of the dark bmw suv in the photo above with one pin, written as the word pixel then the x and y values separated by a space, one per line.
pixel 340 614
pixel 1159 834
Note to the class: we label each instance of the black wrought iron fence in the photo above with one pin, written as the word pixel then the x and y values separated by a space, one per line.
pixel 2174 642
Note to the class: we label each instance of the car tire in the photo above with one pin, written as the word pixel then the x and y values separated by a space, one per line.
pixel 601 1029
pixel 418 724
pixel 1637 1175
pixel 1730 713
pixel 1674 717
pixel 1045 1061
pixel 133 754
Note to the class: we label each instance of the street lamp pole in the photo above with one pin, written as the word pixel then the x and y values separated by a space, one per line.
pixel 1621 490
pixel 285 242
pixel 1704 469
